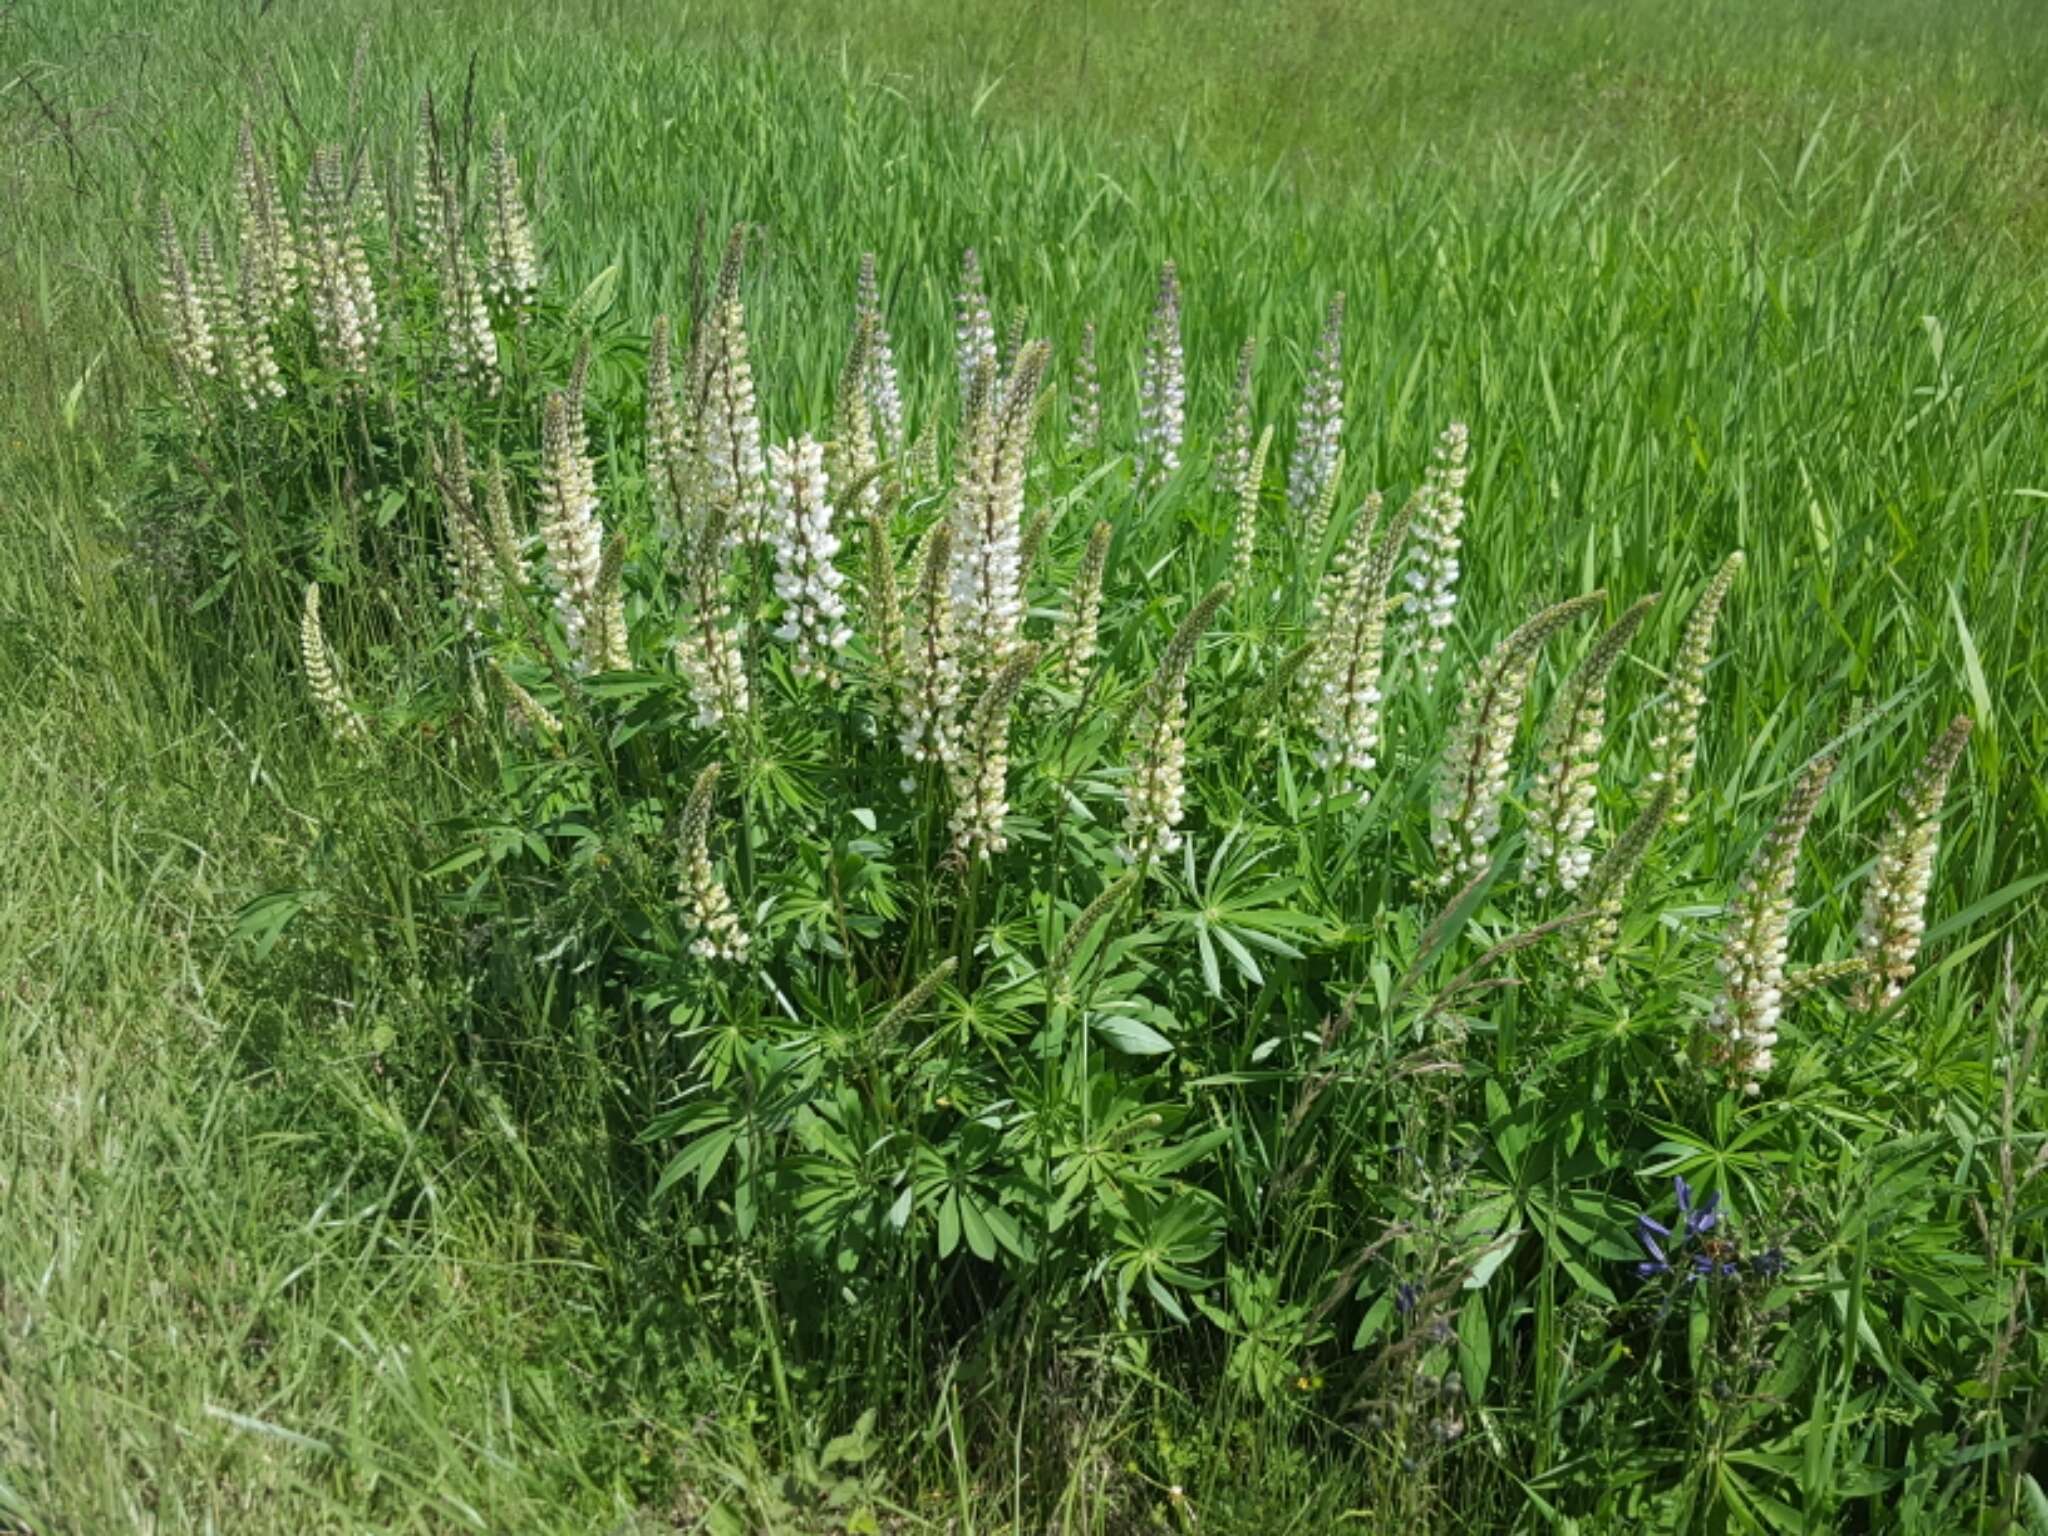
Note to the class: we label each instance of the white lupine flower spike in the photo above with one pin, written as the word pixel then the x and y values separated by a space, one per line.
pixel 1244 544
pixel 856 456
pixel 337 270
pixel 732 427
pixel 1674 744
pixel 708 915
pixel 1320 435
pixel 1084 406
pixel 1162 387
pixel 980 771
pixel 1234 452
pixel 1083 617
pixel 1741 1030
pixel 323 679
pixel 472 344
pixel 709 649
pixel 988 511
pixel 1895 901
pixel 1156 801
pixel 1472 782
pixel 1433 573
pixel 931 691
pixel 884 387
pixel 570 530
pixel 430 186
pixel 1561 800
pixel 669 455
pixel 805 545
pixel 514 267
pixel 1342 675
pixel 1593 941
pixel 264 246
pixel 974 327
pixel 186 320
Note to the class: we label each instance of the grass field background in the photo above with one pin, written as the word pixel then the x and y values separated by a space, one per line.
pixel 1699 277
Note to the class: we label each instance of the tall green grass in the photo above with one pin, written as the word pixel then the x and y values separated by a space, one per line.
pixel 273 1258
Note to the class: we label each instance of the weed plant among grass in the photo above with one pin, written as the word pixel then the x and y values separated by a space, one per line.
pixel 749 877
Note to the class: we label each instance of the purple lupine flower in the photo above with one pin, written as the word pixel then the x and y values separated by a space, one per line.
pixel 1697 1223
pixel 1769 1264
pixel 1652 1234
pixel 1710 1266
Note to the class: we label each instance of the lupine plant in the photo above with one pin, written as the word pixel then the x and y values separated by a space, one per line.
pixel 1017 880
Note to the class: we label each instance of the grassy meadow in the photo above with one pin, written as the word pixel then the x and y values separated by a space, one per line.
pixel 390 1138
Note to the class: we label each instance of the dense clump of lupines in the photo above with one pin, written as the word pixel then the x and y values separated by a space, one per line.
pixel 1472 781
pixel 1155 802
pixel 323 678
pixel 1894 917
pixel 1162 386
pixel 1741 1030
pixel 1343 671
pixel 514 266
pixel 1433 572
pixel 974 327
pixel 805 544
pixel 708 913
pixel 1561 800
pixel 1319 437
pixel 1674 742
